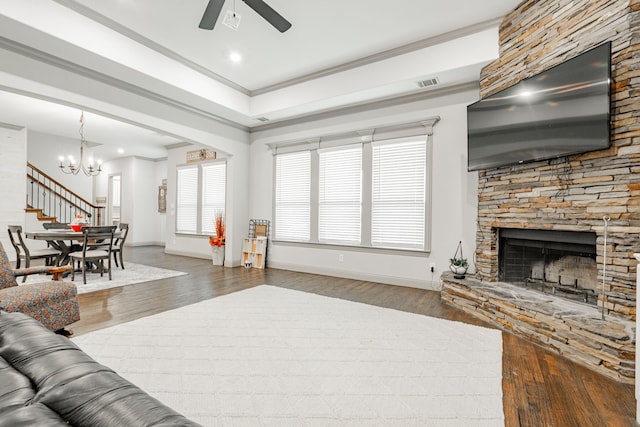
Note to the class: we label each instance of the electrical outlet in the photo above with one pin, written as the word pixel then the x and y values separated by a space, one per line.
pixel 432 267
pixel 340 257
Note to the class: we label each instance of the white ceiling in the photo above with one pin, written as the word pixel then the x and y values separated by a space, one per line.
pixel 337 54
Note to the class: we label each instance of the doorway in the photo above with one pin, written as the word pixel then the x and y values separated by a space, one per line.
pixel 115 186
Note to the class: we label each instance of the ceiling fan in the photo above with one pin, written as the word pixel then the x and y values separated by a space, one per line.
pixel 214 7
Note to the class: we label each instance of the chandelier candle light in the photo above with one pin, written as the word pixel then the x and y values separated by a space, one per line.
pixel 71 167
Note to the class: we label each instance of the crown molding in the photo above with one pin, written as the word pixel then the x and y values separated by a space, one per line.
pixel 381 56
pixel 178 145
pixel 369 105
pixel 46 58
pixel 10 126
pixel 139 38
pixel 149 159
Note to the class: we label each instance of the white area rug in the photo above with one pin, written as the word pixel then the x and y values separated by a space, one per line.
pixel 132 273
pixel 269 356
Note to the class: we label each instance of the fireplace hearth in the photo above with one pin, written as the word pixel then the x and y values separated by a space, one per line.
pixel 557 262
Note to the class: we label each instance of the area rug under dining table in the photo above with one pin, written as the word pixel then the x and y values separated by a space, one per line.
pixel 269 356
pixel 132 274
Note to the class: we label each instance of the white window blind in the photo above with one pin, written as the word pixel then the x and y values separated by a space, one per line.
pixel 399 194
pixel 340 195
pixel 213 195
pixel 187 200
pixel 293 196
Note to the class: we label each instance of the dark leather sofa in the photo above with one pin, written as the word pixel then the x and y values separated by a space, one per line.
pixel 46 380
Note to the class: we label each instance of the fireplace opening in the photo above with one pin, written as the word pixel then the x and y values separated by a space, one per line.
pixel 558 262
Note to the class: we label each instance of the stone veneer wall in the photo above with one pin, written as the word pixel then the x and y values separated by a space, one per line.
pixel 568 328
pixel 577 193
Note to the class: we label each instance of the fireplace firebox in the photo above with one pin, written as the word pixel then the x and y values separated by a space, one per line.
pixel 558 262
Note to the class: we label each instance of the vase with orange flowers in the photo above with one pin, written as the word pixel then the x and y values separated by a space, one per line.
pixel 217 242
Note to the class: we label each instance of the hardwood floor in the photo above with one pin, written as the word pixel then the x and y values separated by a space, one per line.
pixel 539 387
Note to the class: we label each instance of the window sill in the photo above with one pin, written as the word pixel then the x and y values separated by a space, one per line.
pixel 352 248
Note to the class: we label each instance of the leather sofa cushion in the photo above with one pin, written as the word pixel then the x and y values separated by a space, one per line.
pixel 63 379
pixel 16 408
pixel 15 388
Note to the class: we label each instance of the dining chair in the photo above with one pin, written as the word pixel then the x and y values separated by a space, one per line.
pixel 50 255
pixel 97 244
pixel 118 245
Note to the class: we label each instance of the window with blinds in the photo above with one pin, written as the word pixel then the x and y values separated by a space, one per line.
pixel 293 197
pixel 367 188
pixel 340 195
pixel 200 193
pixel 187 201
pixel 213 195
pixel 398 198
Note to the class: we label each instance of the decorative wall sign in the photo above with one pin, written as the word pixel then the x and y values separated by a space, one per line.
pixel 200 155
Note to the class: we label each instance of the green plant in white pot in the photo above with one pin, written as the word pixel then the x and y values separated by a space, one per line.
pixel 458 264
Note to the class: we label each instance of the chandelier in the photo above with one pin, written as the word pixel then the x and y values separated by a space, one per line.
pixel 74 168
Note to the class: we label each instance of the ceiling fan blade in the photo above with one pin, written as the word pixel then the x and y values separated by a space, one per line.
pixel 211 14
pixel 273 17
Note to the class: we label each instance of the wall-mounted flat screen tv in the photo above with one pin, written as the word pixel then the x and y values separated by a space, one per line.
pixel 561 111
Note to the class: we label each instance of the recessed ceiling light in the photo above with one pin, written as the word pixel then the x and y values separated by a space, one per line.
pixel 235 57
pixel 120 150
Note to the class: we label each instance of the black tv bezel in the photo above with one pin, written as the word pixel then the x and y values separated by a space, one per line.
pixel 508 162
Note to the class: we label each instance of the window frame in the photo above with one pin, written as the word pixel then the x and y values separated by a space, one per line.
pixel 199 191
pixel 365 138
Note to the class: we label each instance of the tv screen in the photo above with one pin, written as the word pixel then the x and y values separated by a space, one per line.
pixel 561 111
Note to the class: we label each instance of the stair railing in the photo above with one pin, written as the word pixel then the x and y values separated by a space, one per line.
pixel 57 201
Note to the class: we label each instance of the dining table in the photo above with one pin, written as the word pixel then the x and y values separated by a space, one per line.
pixel 64 240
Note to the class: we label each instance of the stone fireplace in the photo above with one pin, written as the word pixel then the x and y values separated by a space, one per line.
pixel 550 289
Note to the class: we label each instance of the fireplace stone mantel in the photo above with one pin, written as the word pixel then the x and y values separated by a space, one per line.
pixel 574 330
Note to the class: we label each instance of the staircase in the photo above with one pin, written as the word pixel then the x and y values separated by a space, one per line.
pixel 54 202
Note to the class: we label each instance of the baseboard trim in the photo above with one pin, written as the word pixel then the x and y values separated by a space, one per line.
pixel 144 244
pixel 227 262
pixel 387 280
pixel 187 253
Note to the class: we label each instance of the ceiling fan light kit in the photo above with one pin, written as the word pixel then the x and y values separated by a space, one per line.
pixel 232 20
pixel 214 7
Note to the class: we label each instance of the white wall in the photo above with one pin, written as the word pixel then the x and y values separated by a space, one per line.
pixel 161 174
pixel 139 195
pixel 13 149
pixel 453 204
pixel 237 206
pixel 145 221
pixel 43 151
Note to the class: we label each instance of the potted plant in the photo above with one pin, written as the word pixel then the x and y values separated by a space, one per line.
pixel 217 242
pixel 458 264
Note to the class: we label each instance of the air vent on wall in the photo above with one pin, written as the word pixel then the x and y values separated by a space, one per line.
pixel 428 82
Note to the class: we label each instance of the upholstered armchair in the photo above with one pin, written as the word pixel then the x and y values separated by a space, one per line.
pixel 52 302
